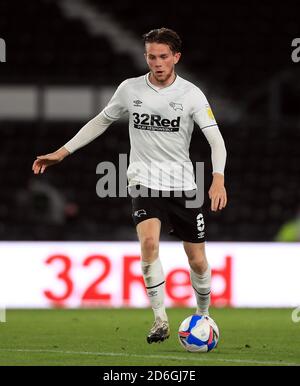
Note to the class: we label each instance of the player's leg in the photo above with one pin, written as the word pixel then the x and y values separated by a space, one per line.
pixel 200 275
pixel 148 233
pixel 188 225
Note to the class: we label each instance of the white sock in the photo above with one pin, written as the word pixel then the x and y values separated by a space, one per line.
pixel 155 285
pixel 201 285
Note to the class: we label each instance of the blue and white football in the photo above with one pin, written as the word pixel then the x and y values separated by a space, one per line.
pixel 198 333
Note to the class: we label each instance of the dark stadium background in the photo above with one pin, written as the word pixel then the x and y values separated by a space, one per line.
pixel 240 55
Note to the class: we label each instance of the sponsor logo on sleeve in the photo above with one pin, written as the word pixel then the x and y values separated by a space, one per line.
pixel 210 113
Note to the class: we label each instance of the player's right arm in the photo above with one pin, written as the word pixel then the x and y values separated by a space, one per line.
pixel 43 161
pixel 95 127
pixel 88 133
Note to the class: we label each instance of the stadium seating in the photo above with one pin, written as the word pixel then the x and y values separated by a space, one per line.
pixel 51 49
pixel 261 183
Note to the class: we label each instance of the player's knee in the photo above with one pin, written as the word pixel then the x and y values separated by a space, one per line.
pixel 199 266
pixel 149 246
pixel 198 262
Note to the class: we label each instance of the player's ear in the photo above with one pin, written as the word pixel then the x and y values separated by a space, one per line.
pixel 145 55
pixel 177 56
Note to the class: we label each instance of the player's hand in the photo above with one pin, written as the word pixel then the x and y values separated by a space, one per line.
pixel 217 193
pixel 43 161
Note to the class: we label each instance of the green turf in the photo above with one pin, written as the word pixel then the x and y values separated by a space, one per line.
pixel 117 337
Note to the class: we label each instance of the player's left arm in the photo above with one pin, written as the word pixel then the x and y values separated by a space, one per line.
pixel 217 192
pixel 204 117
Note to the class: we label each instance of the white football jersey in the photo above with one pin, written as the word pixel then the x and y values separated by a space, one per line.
pixel 161 122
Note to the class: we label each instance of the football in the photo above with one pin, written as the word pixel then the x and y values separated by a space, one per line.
pixel 198 333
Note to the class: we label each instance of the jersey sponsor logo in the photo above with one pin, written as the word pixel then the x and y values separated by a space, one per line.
pixel 155 122
pixel 176 106
pixel 140 212
pixel 137 103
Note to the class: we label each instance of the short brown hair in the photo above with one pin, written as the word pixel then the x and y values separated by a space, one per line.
pixel 164 36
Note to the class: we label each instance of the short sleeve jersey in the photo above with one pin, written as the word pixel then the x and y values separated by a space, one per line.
pixel 161 122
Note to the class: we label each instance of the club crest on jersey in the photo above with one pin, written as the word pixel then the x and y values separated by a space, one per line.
pixel 137 103
pixel 176 106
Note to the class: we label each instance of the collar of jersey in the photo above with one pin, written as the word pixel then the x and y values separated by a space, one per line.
pixel 158 89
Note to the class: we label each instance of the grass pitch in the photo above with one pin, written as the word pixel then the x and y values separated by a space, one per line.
pixel 111 337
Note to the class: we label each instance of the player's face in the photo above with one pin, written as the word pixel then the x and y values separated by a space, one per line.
pixel 161 61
